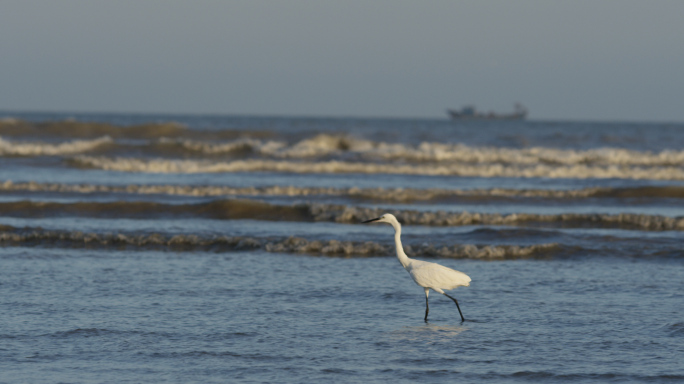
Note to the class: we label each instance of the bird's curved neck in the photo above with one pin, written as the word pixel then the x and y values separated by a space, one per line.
pixel 403 259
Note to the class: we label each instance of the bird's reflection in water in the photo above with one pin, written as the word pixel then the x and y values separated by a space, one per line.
pixel 428 332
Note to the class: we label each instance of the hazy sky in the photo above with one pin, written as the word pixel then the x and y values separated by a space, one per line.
pixel 595 60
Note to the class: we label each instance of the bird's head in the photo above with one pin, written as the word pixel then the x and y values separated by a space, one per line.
pixel 386 218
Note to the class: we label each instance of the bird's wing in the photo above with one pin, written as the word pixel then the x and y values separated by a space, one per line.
pixel 431 275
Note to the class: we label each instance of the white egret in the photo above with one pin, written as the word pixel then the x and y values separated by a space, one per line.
pixel 426 274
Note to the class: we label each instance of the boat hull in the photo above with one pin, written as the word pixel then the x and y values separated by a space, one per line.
pixel 456 115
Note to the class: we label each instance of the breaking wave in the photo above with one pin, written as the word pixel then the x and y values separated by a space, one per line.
pixel 333 166
pixel 535 155
pixel 10 236
pixel 187 151
pixel 347 214
pixel 239 145
pixel 337 145
pixel 451 158
pixel 318 146
pixel 237 209
pixel 388 194
pixel 12 148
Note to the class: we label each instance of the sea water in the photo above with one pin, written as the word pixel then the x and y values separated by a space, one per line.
pixel 168 248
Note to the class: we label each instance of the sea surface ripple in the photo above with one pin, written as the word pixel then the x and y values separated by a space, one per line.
pixel 172 248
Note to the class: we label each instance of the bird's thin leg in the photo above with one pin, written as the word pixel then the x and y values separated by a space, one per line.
pixel 457 306
pixel 427 306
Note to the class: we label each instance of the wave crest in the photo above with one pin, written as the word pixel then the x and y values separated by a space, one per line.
pixel 11 148
pixel 337 144
pixel 189 243
pixel 388 194
pixel 240 209
pixel 478 170
pixel 347 214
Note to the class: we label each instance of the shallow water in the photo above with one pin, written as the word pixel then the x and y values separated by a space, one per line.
pixel 259 317
pixel 229 249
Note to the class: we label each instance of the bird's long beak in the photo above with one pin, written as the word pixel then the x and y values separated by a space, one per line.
pixel 371 220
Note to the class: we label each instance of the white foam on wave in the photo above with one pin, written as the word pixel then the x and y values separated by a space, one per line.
pixel 460 251
pixel 320 145
pixel 324 144
pixel 388 194
pixel 529 156
pixel 232 209
pixel 11 148
pixel 244 144
pixel 327 145
pixel 351 214
pixel 335 145
pixel 468 170
pixel 194 242
pixel 392 194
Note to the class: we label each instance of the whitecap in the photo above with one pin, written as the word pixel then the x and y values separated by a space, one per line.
pixel 12 148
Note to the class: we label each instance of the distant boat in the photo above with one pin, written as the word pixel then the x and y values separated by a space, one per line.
pixel 470 113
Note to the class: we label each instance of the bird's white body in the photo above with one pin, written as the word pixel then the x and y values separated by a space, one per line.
pixel 435 276
pixel 426 274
